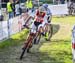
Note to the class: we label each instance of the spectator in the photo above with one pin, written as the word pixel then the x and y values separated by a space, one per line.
pixel 10 10
pixel 71 7
pixel 17 8
pixel 29 5
pixel 62 1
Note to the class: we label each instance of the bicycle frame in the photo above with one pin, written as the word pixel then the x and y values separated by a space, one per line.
pixel 30 39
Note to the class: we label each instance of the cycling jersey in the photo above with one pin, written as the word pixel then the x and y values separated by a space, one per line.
pixel 39 17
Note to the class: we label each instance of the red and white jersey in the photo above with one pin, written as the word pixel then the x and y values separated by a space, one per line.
pixel 39 17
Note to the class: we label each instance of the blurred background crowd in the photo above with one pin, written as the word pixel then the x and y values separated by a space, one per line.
pixel 16 7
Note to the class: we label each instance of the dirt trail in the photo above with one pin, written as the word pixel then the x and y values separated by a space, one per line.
pixel 12 54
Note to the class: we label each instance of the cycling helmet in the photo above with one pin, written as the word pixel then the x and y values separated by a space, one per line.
pixel 41 9
pixel 45 5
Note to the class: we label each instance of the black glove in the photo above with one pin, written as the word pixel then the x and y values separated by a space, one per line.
pixel 49 21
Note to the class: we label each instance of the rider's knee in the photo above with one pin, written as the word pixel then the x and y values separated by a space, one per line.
pixel 32 34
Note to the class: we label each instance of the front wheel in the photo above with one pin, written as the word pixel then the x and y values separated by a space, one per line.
pixel 22 54
pixel 27 46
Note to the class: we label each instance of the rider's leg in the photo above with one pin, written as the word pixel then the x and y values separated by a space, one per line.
pixel 41 28
pixel 30 44
pixel 46 28
pixel 32 34
pixel 29 38
pixel 33 30
pixel 45 25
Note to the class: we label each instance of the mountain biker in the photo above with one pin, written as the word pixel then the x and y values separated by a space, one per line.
pixel 49 16
pixel 48 12
pixel 39 20
pixel 29 5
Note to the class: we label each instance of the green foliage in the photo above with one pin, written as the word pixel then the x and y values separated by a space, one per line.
pixel 64 20
pixel 15 39
pixel 58 50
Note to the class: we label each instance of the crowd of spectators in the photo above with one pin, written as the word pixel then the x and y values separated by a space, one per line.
pixel 16 7
pixel 71 7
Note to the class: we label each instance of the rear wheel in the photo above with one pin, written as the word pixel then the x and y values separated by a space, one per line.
pixel 49 32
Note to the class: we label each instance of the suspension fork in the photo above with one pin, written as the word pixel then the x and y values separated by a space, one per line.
pixel 29 40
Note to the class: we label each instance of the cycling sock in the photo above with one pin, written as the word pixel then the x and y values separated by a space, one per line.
pixel 46 35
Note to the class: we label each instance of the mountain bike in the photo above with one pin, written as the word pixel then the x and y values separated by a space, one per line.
pixel 29 43
pixel 34 38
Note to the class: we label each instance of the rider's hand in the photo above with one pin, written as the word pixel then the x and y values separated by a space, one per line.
pixel 32 17
pixel 49 21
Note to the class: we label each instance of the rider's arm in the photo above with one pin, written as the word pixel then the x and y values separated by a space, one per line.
pixel 49 12
pixel 37 12
pixel 45 18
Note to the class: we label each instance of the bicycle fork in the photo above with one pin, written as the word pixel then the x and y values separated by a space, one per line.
pixel 27 45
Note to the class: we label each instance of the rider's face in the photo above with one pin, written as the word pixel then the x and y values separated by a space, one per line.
pixel 41 13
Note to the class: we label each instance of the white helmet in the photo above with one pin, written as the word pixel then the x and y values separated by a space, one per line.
pixel 41 9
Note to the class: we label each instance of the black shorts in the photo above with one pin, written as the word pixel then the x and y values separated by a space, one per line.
pixel 37 23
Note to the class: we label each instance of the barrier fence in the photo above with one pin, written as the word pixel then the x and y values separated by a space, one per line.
pixel 14 25
pixel 59 9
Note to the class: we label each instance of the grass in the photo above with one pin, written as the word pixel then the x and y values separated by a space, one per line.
pixel 14 40
pixel 59 49
pixel 56 51
pixel 64 20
